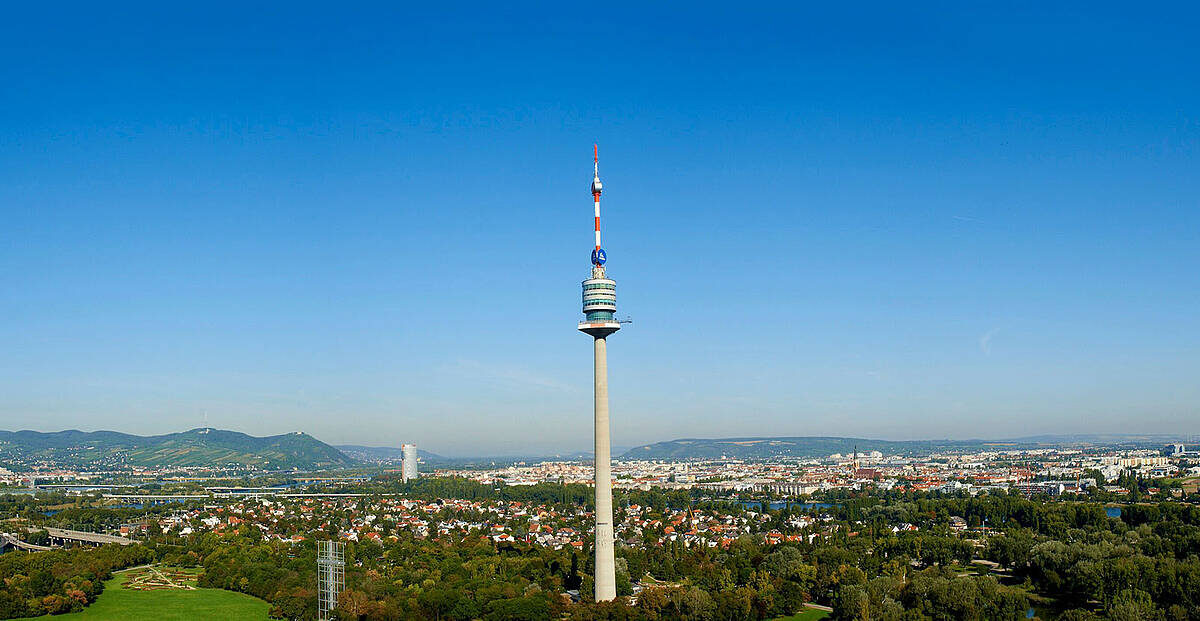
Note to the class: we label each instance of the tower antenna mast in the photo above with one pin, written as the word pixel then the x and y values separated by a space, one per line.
pixel 598 256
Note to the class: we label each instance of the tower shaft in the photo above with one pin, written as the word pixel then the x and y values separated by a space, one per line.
pixel 606 579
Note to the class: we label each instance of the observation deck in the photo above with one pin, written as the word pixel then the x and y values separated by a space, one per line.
pixel 599 305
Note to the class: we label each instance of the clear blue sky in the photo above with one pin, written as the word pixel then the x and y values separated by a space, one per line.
pixel 370 224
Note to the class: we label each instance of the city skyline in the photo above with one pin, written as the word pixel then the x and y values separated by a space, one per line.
pixel 968 226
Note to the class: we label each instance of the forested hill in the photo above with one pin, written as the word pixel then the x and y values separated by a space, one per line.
pixel 807 446
pixel 197 447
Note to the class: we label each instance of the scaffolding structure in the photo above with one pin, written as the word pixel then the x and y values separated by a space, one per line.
pixel 331 576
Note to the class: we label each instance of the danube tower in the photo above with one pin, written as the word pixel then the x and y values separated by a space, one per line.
pixel 599 304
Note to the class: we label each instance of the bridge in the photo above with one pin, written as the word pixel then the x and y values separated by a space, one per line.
pixel 328 495
pixel 356 479
pixel 8 540
pixel 64 536
pixel 75 487
pixel 228 492
pixel 153 497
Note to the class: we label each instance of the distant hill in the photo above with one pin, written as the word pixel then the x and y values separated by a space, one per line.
pixel 759 448
pixel 384 454
pixel 818 446
pixel 1105 439
pixel 197 447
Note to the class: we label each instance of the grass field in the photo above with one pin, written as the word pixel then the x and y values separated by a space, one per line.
pixel 161 594
pixel 810 614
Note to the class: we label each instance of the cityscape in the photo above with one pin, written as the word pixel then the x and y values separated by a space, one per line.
pixel 693 507
pixel 916 334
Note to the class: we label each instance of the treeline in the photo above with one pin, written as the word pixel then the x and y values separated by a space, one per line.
pixel 1147 570
pixel 750 581
pixel 934 593
pixel 28 506
pixel 472 578
pixel 1081 563
pixel 998 510
pixel 407 579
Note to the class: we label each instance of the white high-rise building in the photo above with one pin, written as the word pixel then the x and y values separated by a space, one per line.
pixel 408 466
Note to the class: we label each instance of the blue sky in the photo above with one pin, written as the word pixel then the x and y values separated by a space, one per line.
pixel 370 223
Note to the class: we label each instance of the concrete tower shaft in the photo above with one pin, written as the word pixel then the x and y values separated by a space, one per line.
pixel 606 570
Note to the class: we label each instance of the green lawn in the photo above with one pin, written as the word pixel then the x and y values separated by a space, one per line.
pixel 809 614
pixel 119 604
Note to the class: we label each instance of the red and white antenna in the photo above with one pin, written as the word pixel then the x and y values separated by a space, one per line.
pixel 598 257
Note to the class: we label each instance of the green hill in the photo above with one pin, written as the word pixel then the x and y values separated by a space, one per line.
pixel 197 447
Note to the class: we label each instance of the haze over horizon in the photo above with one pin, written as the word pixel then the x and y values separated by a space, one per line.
pixel 371 226
pixel 619 451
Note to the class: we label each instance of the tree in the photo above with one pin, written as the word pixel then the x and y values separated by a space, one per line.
pixel 532 608
pixel 624 584
pixel 867 602
pixel 1133 605
pixel 573 580
pixel 654 603
pixel 464 609
pixel 56 604
pixel 788 564
pixel 1011 549
pixel 587 589
pixel 352 604
pixel 39 537
pixel 41 583
pixel 693 604
pixel 437 601
pixel 12 606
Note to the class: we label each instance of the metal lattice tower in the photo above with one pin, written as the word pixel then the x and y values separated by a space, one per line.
pixel 331 576
pixel 599 304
